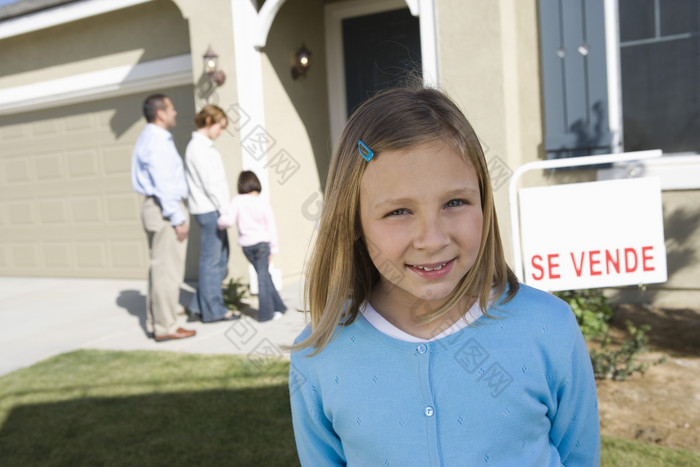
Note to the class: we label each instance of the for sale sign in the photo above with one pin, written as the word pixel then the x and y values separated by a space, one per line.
pixel 589 235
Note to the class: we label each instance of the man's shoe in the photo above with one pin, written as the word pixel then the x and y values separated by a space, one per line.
pixel 179 333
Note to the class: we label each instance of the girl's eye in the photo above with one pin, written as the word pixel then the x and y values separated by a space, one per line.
pixel 455 202
pixel 396 212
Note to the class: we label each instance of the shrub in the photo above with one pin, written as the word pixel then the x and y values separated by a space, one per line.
pixel 591 309
pixel 234 291
pixel 594 316
pixel 621 363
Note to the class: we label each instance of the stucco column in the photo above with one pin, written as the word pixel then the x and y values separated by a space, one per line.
pixel 425 11
pixel 249 79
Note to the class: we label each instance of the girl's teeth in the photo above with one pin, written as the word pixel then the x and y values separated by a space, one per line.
pixel 432 269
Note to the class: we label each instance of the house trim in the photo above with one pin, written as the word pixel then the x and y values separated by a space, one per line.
pixel 249 82
pixel 614 78
pixel 264 20
pixel 101 84
pixel 61 15
pixel 675 171
pixel 428 41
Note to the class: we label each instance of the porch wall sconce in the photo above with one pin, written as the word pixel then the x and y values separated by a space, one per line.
pixel 301 62
pixel 211 68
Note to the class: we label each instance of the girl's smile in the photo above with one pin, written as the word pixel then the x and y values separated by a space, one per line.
pixel 420 211
pixel 432 271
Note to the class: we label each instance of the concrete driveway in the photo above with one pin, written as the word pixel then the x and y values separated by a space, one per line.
pixel 46 317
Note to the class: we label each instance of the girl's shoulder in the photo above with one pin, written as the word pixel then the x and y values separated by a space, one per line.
pixel 303 335
pixel 303 360
pixel 534 307
pixel 527 295
pixel 342 336
pixel 257 202
pixel 243 198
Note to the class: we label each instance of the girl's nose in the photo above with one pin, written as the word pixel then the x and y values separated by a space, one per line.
pixel 431 235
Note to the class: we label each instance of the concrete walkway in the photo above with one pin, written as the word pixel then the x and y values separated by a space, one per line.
pixel 46 317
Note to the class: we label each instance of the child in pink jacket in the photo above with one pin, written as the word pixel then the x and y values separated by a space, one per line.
pixel 257 235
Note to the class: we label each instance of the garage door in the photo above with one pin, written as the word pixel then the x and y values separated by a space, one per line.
pixel 66 204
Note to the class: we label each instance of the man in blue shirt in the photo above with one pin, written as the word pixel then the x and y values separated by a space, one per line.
pixel 157 173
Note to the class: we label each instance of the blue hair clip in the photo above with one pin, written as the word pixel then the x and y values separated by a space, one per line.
pixel 364 150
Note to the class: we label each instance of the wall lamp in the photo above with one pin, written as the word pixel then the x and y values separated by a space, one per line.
pixel 301 62
pixel 211 68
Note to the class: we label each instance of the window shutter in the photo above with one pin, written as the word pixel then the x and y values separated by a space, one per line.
pixel 574 75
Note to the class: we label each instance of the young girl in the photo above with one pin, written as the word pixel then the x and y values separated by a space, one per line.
pixel 257 236
pixel 209 195
pixel 423 349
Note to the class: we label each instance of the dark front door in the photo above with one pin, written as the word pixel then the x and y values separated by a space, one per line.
pixel 381 51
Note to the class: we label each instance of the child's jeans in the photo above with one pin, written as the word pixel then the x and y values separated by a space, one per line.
pixel 268 298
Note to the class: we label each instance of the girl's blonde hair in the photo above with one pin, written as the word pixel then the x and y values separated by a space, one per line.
pixel 340 273
pixel 209 115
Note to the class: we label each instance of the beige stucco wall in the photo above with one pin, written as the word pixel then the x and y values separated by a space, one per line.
pixel 682 234
pixel 296 115
pixel 124 37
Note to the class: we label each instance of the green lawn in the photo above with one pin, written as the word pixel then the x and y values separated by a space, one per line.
pixel 164 408
pixel 146 408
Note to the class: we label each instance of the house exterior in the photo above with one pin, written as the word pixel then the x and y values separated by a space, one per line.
pixel 537 79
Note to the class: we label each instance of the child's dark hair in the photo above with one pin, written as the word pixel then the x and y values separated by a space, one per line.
pixel 248 182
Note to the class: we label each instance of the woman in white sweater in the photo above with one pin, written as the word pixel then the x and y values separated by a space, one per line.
pixel 209 196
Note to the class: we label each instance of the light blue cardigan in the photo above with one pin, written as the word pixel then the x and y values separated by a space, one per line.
pixel 513 391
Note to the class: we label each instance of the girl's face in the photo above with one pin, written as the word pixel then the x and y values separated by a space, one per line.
pixel 420 211
pixel 214 131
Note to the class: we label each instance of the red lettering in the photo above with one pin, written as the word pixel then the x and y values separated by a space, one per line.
pixel 609 260
pixel 646 258
pixel 594 262
pixel 553 265
pixel 578 268
pixel 538 267
pixel 627 260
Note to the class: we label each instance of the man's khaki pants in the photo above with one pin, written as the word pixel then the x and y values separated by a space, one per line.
pixel 167 269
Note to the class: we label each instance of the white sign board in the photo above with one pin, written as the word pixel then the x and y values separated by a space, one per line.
pixel 589 235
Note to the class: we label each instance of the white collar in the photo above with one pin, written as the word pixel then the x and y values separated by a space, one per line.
pixel 382 325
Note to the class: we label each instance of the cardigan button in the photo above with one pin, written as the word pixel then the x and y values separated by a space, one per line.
pixel 429 411
pixel 422 349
